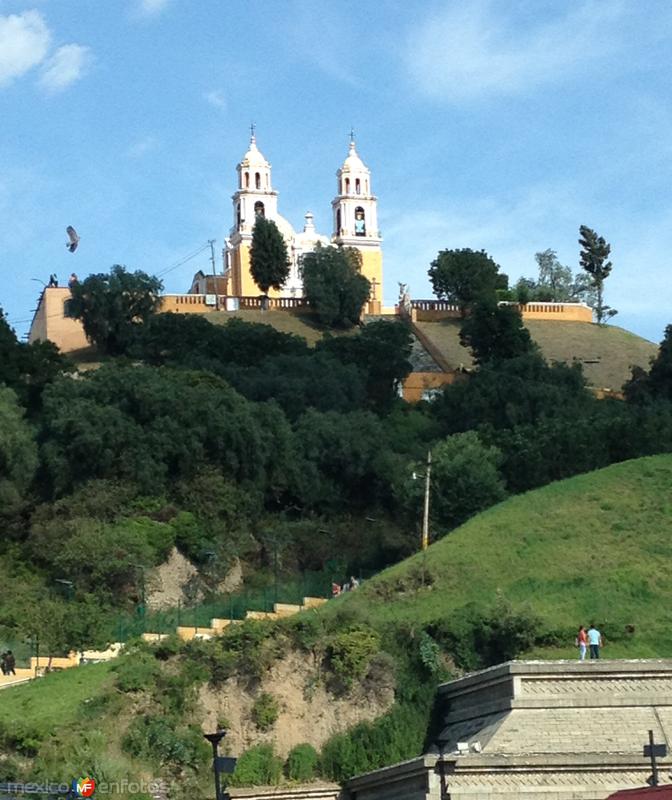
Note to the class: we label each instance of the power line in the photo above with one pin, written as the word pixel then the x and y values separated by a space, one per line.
pixel 183 260
pixel 160 274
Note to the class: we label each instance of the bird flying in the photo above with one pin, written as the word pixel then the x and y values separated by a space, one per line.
pixel 74 239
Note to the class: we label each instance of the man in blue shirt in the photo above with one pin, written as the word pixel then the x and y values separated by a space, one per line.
pixel 594 641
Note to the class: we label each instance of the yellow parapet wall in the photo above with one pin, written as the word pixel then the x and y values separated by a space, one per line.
pixel 436 310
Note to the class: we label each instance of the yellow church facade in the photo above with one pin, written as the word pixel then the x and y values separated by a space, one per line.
pixel 354 216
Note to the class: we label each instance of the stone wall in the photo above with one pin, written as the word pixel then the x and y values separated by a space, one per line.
pixel 559 730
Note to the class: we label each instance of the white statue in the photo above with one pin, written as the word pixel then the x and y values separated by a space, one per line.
pixel 404 299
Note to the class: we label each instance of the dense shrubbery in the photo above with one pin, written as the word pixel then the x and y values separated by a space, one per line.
pixel 265 711
pixel 241 441
pixel 258 766
pixel 302 763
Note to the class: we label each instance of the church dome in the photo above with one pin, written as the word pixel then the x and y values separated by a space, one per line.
pixel 353 163
pixel 254 157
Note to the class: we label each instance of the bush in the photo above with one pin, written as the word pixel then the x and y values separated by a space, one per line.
pixel 302 763
pixel 350 653
pixel 160 739
pixel 265 711
pixel 479 638
pixel 396 736
pixel 136 672
pixel 168 647
pixel 258 766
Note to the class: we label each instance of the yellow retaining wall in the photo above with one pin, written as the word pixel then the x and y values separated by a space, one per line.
pixel 314 602
pixel 286 609
pixel 418 382
pixel 220 624
pixel 154 637
pixel 22 675
pixel 187 633
pixel 51 323
pixel 54 662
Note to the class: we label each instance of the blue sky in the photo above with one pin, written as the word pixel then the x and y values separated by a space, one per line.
pixel 495 125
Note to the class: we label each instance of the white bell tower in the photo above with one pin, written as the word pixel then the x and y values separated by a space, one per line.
pixel 355 212
pixel 254 197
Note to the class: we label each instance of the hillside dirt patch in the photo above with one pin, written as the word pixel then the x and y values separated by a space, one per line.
pixel 178 581
pixel 308 712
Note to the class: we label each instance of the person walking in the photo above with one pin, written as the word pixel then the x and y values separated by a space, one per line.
pixel 10 663
pixel 582 643
pixel 594 641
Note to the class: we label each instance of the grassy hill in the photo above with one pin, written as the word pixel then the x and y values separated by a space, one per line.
pixel 295 321
pixel 593 547
pixel 597 546
pixel 606 352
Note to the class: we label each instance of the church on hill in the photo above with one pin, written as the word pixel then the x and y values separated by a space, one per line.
pixel 354 215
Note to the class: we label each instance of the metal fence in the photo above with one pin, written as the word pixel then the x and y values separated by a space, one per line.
pixel 231 606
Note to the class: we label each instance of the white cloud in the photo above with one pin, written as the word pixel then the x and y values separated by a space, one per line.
pixel 65 66
pixel 216 98
pixel 150 8
pixel 475 48
pixel 142 147
pixel 24 43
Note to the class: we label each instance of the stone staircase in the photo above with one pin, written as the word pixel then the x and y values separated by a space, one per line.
pixel 40 666
pixel 217 625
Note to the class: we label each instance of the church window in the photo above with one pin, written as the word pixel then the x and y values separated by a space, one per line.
pixel 347 185
pixel 259 210
pixel 238 215
pixel 247 180
pixel 257 180
pixel 338 222
pixel 358 186
pixel 360 222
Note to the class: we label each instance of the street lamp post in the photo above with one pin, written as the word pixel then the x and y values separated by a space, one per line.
pixel 220 764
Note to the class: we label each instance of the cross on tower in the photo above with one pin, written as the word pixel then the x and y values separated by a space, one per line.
pixel 352 135
pixel 253 128
pixel 374 283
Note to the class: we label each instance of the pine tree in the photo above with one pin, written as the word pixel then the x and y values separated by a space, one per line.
pixel 269 264
pixel 593 259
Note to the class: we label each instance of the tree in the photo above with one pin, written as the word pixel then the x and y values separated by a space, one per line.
pixel 269 264
pixel 28 368
pixel 465 480
pixel 495 332
pixel 18 457
pixel 334 285
pixel 154 426
pixel 464 276
pixel 111 306
pixel 381 352
pixel 515 391
pixel 593 258
pixel 555 283
pixel 657 382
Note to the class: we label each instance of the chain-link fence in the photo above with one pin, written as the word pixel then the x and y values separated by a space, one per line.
pixel 231 606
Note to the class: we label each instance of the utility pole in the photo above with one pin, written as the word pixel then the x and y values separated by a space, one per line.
pixel 211 242
pixel 425 518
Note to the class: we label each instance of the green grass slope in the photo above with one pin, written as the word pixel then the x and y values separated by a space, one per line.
pixel 300 323
pixel 606 352
pixel 596 546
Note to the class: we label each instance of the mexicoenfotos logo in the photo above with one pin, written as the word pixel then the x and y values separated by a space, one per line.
pixel 84 787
